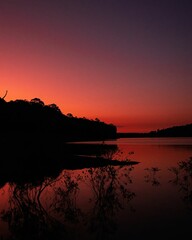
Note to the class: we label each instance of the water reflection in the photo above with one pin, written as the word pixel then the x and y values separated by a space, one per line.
pixel 26 216
pixel 99 202
pixel 108 194
pixel 183 179
pixel 152 176
pixel 31 215
pixel 65 198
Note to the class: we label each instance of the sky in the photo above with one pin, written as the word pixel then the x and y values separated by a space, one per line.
pixel 126 62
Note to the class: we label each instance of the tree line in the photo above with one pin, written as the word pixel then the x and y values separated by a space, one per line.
pixel 34 118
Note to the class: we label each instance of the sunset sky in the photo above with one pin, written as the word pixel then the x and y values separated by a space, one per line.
pixel 126 62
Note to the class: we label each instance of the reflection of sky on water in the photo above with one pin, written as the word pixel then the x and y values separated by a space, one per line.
pixel 106 203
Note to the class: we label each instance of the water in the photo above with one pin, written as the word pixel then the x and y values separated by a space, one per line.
pixel 152 199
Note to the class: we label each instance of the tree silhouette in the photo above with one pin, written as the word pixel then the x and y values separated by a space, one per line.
pixel 38 101
pixel 36 118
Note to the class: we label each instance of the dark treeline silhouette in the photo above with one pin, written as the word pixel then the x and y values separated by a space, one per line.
pixel 34 118
pixel 175 131
pixel 35 141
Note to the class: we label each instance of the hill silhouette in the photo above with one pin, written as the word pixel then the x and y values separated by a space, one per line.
pixel 35 119
pixel 175 131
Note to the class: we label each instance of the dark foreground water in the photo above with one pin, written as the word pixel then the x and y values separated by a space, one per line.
pixel 152 199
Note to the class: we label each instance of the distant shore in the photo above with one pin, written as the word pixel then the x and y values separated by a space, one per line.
pixel 175 131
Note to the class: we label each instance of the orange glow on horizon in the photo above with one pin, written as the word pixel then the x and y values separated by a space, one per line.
pixel 121 68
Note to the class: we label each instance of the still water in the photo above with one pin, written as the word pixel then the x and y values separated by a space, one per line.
pixel 152 199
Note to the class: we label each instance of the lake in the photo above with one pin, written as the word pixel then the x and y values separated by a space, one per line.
pixel 151 199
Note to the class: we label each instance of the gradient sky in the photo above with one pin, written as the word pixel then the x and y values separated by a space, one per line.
pixel 126 62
